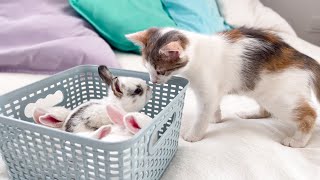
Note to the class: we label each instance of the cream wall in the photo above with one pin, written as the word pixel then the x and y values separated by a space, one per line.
pixel 303 15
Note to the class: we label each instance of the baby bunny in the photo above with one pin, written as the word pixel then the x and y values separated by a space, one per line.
pixel 125 126
pixel 131 94
pixel 54 117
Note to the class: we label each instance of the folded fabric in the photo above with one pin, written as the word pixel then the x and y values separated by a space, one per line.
pixel 113 19
pixel 200 16
pixel 46 37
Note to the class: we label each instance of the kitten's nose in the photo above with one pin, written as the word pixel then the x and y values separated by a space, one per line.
pixel 153 80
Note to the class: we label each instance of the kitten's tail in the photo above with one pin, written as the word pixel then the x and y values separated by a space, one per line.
pixel 315 68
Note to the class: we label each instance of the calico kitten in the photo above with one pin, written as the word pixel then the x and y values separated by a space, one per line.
pixel 243 61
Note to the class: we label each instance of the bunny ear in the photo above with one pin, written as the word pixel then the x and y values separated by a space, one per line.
pixel 105 74
pixel 116 87
pixel 131 124
pixel 37 113
pixel 115 114
pixel 136 121
pixel 51 120
pixel 102 132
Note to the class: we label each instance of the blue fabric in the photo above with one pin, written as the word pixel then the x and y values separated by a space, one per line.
pixel 200 16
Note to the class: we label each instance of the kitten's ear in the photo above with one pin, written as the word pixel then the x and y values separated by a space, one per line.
pixel 116 87
pixel 139 38
pixel 172 50
pixel 115 114
pixel 105 74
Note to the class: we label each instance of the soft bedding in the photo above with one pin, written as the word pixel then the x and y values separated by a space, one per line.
pixel 234 149
pixel 47 36
pixel 252 13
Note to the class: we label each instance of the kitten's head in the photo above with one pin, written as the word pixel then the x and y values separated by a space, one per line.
pixel 132 94
pixel 163 51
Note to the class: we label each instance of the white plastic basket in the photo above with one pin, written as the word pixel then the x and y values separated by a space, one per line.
pixel 32 151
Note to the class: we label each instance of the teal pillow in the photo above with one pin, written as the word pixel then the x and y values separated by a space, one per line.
pixel 200 16
pixel 113 19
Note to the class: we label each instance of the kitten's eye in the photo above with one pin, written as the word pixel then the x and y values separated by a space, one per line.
pixel 161 72
pixel 138 91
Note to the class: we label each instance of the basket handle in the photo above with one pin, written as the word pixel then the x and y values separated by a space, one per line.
pixel 154 141
pixel 50 100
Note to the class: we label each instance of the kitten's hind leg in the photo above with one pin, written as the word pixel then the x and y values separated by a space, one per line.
pixel 305 118
pixel 261 113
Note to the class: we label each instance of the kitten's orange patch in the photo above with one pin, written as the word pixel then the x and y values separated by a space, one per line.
pixel 305 116
pixel 172 46
pixel 283 61
pixel 272 38
pixel 184 42
pixel 233 35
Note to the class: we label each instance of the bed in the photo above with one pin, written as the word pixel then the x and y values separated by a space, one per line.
pixel 235 148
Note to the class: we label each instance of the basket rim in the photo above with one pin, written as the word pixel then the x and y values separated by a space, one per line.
pixel 66 136
pixel 181 81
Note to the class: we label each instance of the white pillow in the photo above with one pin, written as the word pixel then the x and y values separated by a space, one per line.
pixel 252 13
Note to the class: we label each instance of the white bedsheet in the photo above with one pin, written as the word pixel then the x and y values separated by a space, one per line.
pixel 234 149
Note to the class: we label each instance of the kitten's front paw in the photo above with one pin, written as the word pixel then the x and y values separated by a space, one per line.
pixel 250 115
pixel 216 117
pixel 243 115
pixel 291 142
pixel 216 120
pixel 191 136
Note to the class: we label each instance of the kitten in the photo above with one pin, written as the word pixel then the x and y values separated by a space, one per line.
pixel 250 62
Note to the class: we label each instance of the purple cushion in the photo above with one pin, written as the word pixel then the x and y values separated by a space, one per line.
pixel 47 36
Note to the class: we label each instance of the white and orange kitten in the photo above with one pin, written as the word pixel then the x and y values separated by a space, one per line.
pixel 250 62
